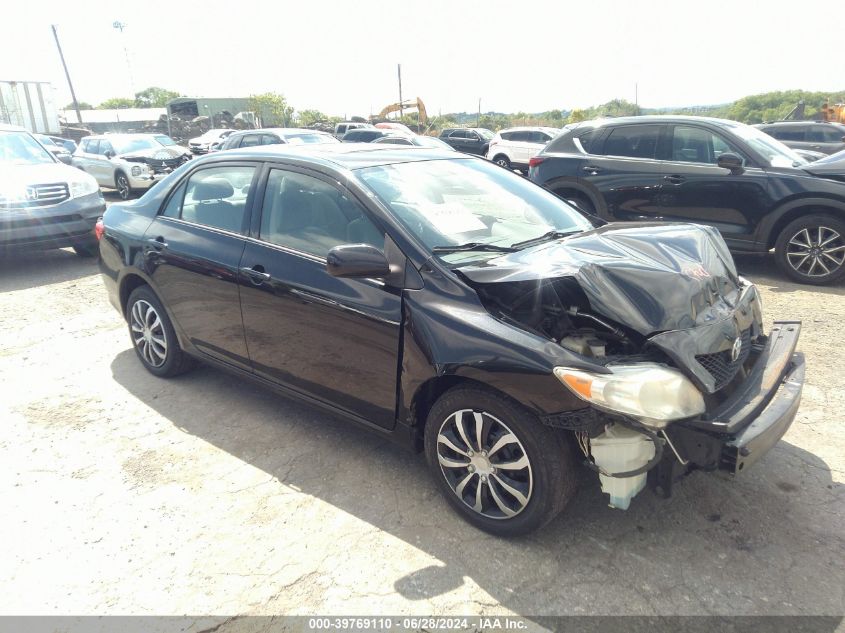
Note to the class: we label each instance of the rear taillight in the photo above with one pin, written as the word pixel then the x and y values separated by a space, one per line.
pixel 533 162
pixel 99 229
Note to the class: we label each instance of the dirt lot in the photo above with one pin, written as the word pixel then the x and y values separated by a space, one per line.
pixel 125 494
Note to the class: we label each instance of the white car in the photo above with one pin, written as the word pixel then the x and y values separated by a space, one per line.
pixel 514 147
pixel 209 141
pixel 127 162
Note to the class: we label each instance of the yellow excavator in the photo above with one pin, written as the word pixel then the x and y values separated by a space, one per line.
pixel 834 112
pixel 410 104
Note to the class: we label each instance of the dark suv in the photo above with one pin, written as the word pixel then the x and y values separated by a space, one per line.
pixel 732 176
pixel 816 136
pixel 469 140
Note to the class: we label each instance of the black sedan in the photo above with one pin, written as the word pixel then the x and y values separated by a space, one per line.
pixel 456 308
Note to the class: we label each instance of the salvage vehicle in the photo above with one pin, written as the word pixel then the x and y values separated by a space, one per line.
pixel 276 136
pixel 456 308
pixel 54 148
pixel 209 141
pixel 128 162
pixel 469 140
pixel 44 203
pixel 756 191
pixel 817 136
pixel 515 147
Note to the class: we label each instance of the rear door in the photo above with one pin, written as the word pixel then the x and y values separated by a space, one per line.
pixel 192 252
pixel 335 340
pixel 825 138
pixel 85 155
pixel 695 189
pixel 626 172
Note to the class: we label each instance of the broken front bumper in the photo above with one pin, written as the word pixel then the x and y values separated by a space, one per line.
pixel 748 424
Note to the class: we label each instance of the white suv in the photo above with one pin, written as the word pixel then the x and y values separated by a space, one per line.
pixel 128 162
pixel 514 147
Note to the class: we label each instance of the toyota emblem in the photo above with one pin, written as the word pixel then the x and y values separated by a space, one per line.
pixel 736 349
pixel 31 193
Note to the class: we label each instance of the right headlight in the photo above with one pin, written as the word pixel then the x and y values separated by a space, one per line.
pixel 652 393
pixel 83 185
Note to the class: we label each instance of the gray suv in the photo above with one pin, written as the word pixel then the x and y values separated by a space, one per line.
pixel 817 136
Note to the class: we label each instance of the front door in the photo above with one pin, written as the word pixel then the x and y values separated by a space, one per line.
pixel 192 252
pixel 626 173
pixel 335 340
pixel 696 190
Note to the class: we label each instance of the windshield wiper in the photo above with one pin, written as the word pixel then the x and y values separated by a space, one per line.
pixel 474 246
pixel 545 237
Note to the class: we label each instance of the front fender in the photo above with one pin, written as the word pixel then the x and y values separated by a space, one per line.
pixel 768 226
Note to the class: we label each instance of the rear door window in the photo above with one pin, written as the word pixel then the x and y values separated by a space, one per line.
pixel 633 141
pixel 216 197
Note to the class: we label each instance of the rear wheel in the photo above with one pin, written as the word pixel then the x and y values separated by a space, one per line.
pixel 811 249
pixel 496 464
pixel 153 336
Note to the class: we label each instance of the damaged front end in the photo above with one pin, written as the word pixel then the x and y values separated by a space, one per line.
pixel 684 376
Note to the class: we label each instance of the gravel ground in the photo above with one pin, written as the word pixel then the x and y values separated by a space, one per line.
pixel 126 494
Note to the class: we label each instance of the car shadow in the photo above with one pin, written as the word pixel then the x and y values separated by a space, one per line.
pixel 717 546
pixel 763 269
pixel 21 270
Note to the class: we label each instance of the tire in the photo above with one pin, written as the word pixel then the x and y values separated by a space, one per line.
pixel 156 344
pixel 581 201
pixel 89 248
pixel 544 485
pixel 811 249
pixel 121 183
pixel 502 161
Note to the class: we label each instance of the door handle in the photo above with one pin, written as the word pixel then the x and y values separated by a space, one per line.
pixel 675 179
pixel 157 243
pixel 256 274
pixel 592 169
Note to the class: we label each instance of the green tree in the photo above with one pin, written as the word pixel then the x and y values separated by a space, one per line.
pixel 577 115
pixel 309 117
pixel 273 109
pixel 116 102
pixel 154 97
pixel 83 105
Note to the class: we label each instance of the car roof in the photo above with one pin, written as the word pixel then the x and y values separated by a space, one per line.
pixel 660 118
pixel 121 135
pixel 281 130
pixel 529 128
pixel 343 155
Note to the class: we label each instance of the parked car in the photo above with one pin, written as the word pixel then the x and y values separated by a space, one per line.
pixel 345 126
pixel 514 147
pixel 208 141
pixel 276 136
pixel 56 150
pixel 469 140
pixel 367 135
pixel 818 136
pixel 751 187
pixel 453 306
pixel 418 140
pixel 45 203
pixel 67 143
pixel 128 162
pixel 393 125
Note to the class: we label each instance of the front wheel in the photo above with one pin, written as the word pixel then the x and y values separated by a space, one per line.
pixel 502 161
pixel 496 464
pixel 121 183
pixel 811 249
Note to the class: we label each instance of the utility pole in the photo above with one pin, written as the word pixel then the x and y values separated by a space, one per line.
pixel 637 97
pixel 67 74
pixel 478 118
pixel 401 107
pixel 122 25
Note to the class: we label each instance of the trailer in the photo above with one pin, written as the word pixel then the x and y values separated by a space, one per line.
pixel 29 104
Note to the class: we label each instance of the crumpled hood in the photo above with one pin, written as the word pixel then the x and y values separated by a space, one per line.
pixel 156 153
pixel 833 165
pixel 651 277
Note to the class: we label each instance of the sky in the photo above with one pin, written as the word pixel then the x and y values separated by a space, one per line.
pixel 341 57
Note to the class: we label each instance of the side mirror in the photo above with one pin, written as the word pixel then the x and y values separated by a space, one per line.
pixel 357 260
pixel 109 154
pixel 730 161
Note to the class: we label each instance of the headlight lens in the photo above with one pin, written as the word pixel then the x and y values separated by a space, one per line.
pixel 83 185
pixel 138 170
pixel 652 393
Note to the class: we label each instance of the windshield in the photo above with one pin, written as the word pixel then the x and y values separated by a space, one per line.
pixel 309 139
pixel 485 134
pixel 129 145
pixel 19 148
pixel 164 139
pixel 452 202
pixel 775 152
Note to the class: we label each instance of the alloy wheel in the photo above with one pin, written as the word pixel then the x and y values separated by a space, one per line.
pixel 503 162
pixel 484 463
pixel 148 333
pixel 123 187
pixel 816 251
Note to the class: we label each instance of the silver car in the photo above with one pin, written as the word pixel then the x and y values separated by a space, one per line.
pixel 128 162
